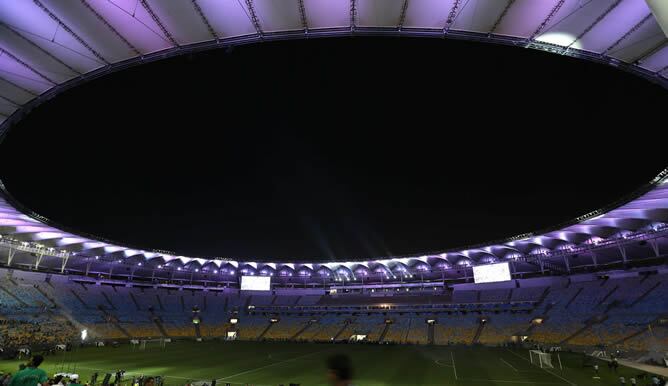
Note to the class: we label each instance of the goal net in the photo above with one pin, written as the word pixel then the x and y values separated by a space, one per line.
pixel 542 359
pixel 152 343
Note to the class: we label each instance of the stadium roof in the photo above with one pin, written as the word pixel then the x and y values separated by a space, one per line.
pixel 48 46
pixel 644 216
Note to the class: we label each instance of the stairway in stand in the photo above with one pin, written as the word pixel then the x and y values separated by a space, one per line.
pixel 262 334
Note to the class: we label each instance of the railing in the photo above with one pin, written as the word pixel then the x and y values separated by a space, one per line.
pixel 25 246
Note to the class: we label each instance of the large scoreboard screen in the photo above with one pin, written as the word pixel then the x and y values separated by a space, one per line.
pixel 491 272
pixel 256 283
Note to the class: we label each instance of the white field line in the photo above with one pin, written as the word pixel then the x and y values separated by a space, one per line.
pixel 509 365
pixel 270 365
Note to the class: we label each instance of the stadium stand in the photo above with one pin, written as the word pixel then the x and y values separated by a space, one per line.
pixel 625 312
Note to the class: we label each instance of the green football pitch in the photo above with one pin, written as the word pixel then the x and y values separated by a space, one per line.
pixel 304 363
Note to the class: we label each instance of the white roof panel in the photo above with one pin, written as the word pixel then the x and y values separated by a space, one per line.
pixel 428 13
pixel 647 37
pixel 19 75
pixel 479 15
pixel 7 107
pixel 227 17
pixel 45 43
pixel 180 20
pixel 14 93
pixel 29 52
pixel 379 13
pixel 614 25
pixel 657 60
pixel 327 13
pixel 525 16
pixel 142 34
pixel 83 22
pixel 278 15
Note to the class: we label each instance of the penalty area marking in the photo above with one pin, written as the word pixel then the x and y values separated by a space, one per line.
pixel 546 370
pixel 509 365
pixel 454 367
pixel 270 365
pixel 438 362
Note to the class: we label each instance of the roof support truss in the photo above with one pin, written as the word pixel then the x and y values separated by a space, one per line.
pixel 547 20
pixel 501 16
pixel 452 16
pixel 628 33
pixel 10 256
pixel 19 87
pixel 254 19
pixel 622 252
pixel 42 50
pixel 202 16
pixel 353 15
pixel 111 28
pixel 27 66
pixel 651 52
pixel 70 31
pixel 655 247
pixel 302 15
pixel 64 263
pixel 598 20
pixel 402 16
pixel 38 260
pixel 157 21
pixel 16 104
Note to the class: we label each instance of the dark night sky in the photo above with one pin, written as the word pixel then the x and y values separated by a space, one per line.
pixel 337 148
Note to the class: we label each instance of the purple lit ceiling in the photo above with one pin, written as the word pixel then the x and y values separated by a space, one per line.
pixel 48 45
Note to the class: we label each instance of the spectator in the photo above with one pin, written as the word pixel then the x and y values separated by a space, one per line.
pixel 339 370
pixel 74 380
pixel 7 379
pixel 58 381
pixel 31 375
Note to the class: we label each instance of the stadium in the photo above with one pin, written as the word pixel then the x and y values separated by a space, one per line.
pixel 548 307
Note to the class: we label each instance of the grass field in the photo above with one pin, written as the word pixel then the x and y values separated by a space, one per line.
pixel 283 363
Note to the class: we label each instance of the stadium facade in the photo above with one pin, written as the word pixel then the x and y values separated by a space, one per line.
pixel 632 232
pixel 47 47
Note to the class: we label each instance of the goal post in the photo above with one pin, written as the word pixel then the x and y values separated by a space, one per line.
pixel 541 359
pixel 161 343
